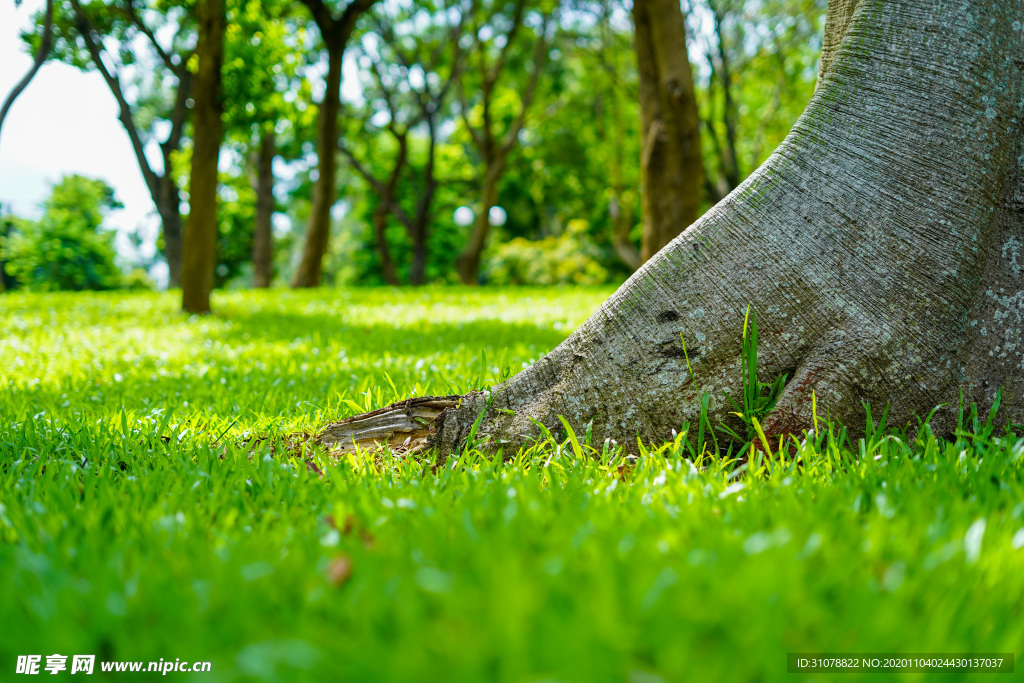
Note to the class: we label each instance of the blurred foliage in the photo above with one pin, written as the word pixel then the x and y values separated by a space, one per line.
pixel 67 248
pixel 568 258
pixel 755 64
pixel 416 76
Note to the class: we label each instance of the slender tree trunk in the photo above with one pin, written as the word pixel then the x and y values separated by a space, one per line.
pixel 672 166
pixel 619 209
pixel 200 253
pixel 882 245
pixel 418 267
pixel 37 62
pixel 421 221
pixel 318 230
pixel 387 265
pixel 263 234
pixel 469 261
pixel 168 207
pixel 5 231
pixel 622 224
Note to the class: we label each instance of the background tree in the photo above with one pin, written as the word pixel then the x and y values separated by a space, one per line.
pixel 200 257
pixel 264 42
pixel 507 55
pixel 614 72
pixel 41 51
pixel 571 191
pixel 412 71
pixel 335 31
pixel 759 71
pixel 671 163
pixel 109 39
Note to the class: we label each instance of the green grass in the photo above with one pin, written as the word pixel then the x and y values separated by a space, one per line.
pixel 134 526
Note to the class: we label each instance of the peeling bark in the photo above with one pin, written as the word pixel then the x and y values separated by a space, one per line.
pixel 402 426
pixel 880 244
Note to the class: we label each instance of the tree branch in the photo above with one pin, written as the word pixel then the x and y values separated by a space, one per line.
pixel 540 54
pixel 136 20
pixel 44 51
pixel 86 30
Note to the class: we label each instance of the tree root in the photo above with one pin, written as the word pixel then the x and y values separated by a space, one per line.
pixel 404 427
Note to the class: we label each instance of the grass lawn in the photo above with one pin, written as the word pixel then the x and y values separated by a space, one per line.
pixel 135 525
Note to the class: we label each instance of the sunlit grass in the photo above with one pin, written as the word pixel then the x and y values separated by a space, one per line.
pixel 135 525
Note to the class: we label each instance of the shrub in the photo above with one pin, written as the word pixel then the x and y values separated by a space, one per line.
pixel 568 258
pixel 67 248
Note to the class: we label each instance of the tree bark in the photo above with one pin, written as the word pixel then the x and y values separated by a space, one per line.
pixel 672 167
pixel 37 62
pixel 200 252
pixel 263 234
pixel 881 245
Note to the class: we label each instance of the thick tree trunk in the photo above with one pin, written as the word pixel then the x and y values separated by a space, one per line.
pixel 200 253
pixel 37 62
pixel 671 166
pixel 881 245
pixel 263 234
pixel 318 230
pixel 469 260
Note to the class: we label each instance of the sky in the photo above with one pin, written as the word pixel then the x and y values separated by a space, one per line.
pixel 65 122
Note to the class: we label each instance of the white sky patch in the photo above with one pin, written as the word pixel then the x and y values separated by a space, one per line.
pixel 64 123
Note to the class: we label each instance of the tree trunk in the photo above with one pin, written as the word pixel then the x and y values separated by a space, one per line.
pixel 37 62
pixel 469 260
pixel 421 220
pixel 168 207
pixel 318 230
pixel 881 245
pixel 622 224
pixel 200 253
pixel 263 234
pixel 418 267
pixel 380 224
pixel 671 166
